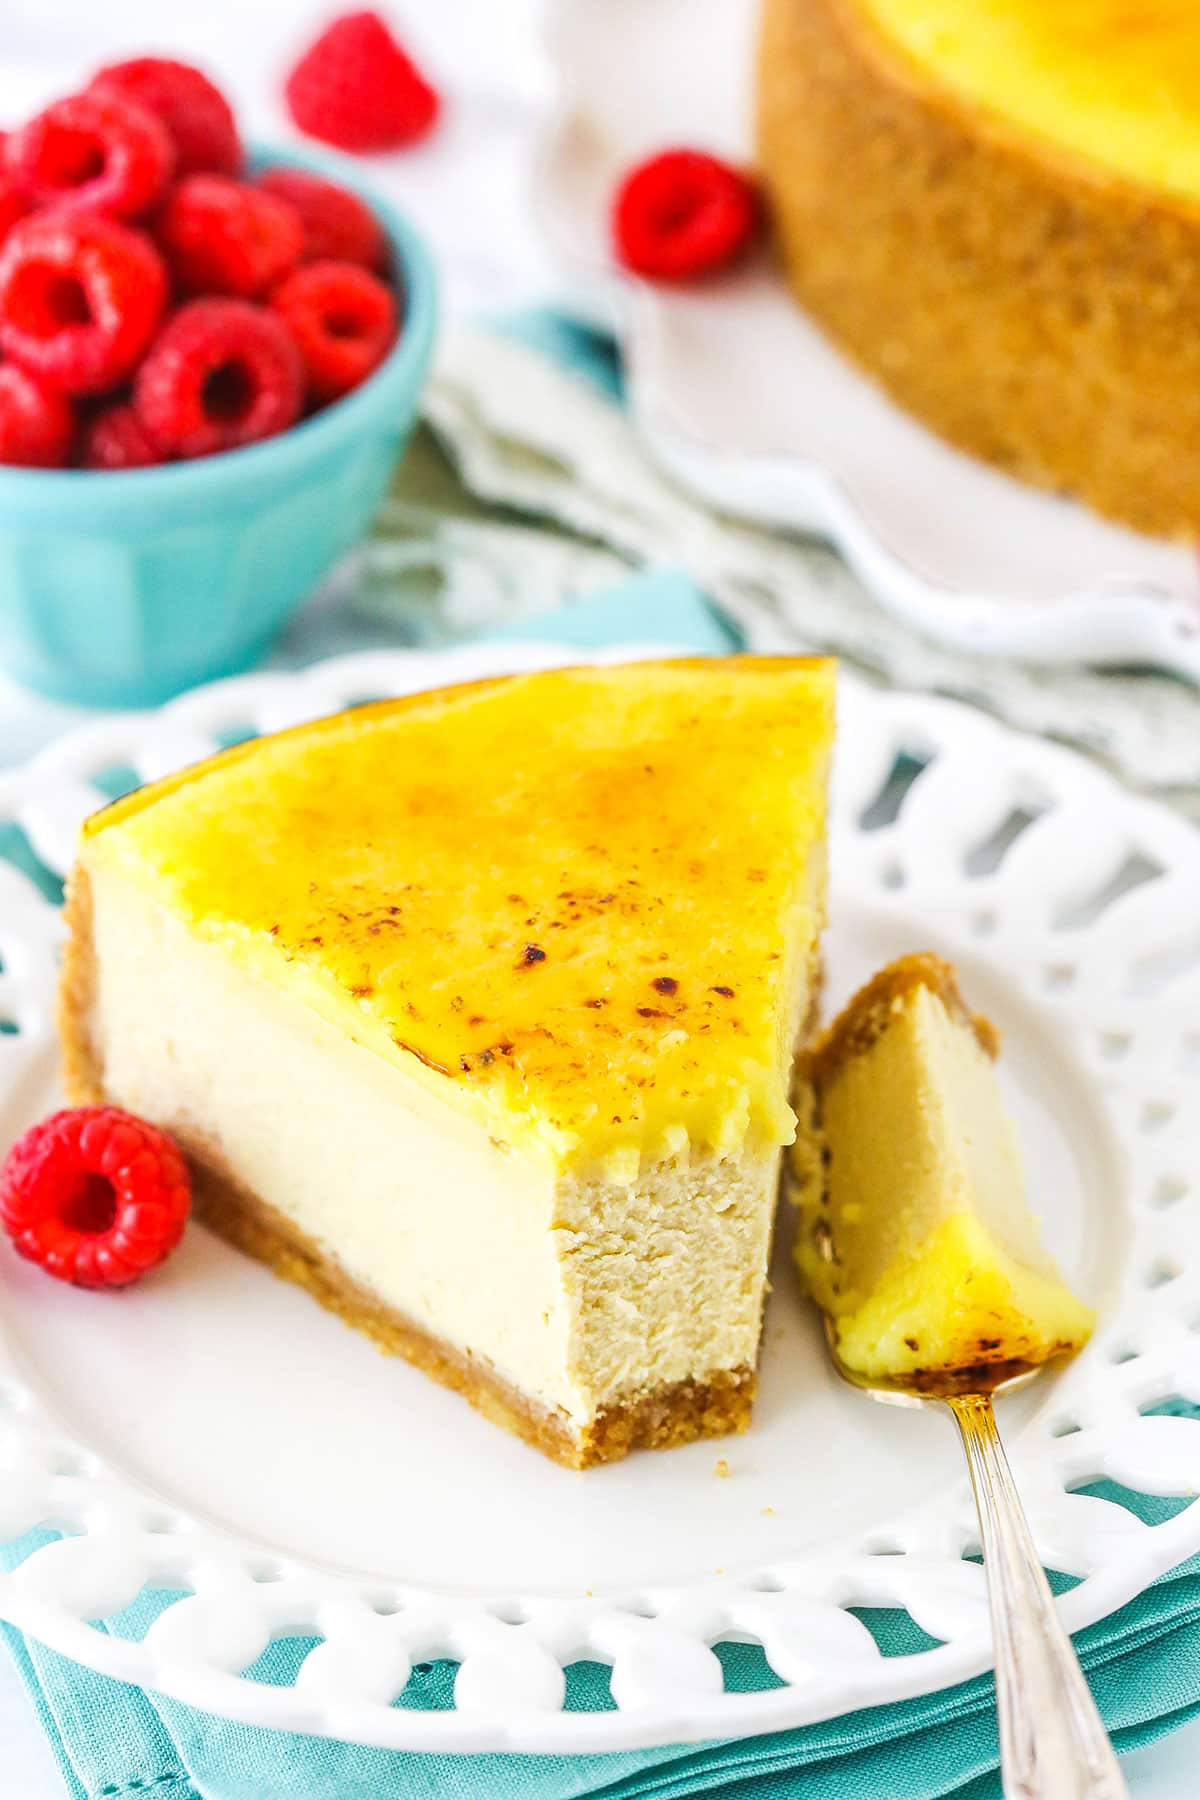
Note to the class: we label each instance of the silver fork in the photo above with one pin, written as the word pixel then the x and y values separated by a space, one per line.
pixel 1053 1745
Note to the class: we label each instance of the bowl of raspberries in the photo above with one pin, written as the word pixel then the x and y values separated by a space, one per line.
pixel 210 359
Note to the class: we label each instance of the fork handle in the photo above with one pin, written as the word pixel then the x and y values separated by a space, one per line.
pixel 1053 1745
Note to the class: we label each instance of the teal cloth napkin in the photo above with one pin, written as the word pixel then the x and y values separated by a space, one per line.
pixel 114 1742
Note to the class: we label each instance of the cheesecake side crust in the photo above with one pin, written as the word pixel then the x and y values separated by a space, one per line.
pixel 865 1017
pixel 79 1063
pixel 678 1413
pixel 1029 307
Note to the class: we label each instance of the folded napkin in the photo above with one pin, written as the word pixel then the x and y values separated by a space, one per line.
pixel 114 1742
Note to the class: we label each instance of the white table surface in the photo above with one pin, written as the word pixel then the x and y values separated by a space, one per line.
pixel 467 190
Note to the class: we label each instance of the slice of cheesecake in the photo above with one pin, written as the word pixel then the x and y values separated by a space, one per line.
pixel 475 1014
pixel 914 1236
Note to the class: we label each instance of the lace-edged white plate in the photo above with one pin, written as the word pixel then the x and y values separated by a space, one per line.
pixel 752 410
pixel 214 1434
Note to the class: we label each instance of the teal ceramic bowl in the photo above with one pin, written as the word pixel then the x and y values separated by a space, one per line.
pixel 122 589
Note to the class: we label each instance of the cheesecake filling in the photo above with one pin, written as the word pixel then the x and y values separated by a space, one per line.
pixel 915 1237
pixel 580 1292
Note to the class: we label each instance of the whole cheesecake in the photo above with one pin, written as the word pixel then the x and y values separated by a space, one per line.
pixel 994 207
pixel 474 1013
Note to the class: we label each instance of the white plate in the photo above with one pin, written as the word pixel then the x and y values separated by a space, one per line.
pixel 214 1430
pixel 746 404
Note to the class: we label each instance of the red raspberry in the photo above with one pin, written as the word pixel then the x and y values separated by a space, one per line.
pixel 80 298
pixel 116 439
pixel 337 224
pixel 36 422
pixel 196 114
pixel 93 152
pixel 95 1196
pixel 222 373
pixel 682 214
pixel 225 237
pixel 343 321
pixel 356 88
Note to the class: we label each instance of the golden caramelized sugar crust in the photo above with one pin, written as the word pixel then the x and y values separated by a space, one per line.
pixel 994 206
pixel 1115 81
pixel 566 894
pixel 866 1016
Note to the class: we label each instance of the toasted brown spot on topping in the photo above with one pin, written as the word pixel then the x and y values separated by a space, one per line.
pixel 362 992
pixel 464 1063
pixel 273 930
pixel 727 991
pixel 650 1012
pixel 666 984
pixel 595 1003
pixel 912 1343
pixel 756 874
pixel 532 953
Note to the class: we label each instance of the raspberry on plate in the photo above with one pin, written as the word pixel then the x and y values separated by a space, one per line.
pixel 197 116
pixel 93 152
pixel 343 320
pixel 94 1195
pixel 115 438
pixel 222 373
pixel 36 421
pixel 226 237
pixel 682 214
pixel 337 224
pixel 356 88
pixel 80 298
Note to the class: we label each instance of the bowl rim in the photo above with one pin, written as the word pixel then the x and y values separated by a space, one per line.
pixel 405 362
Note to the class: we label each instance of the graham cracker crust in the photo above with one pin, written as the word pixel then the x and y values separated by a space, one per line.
pixel 677 1413
pixel 865 1016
